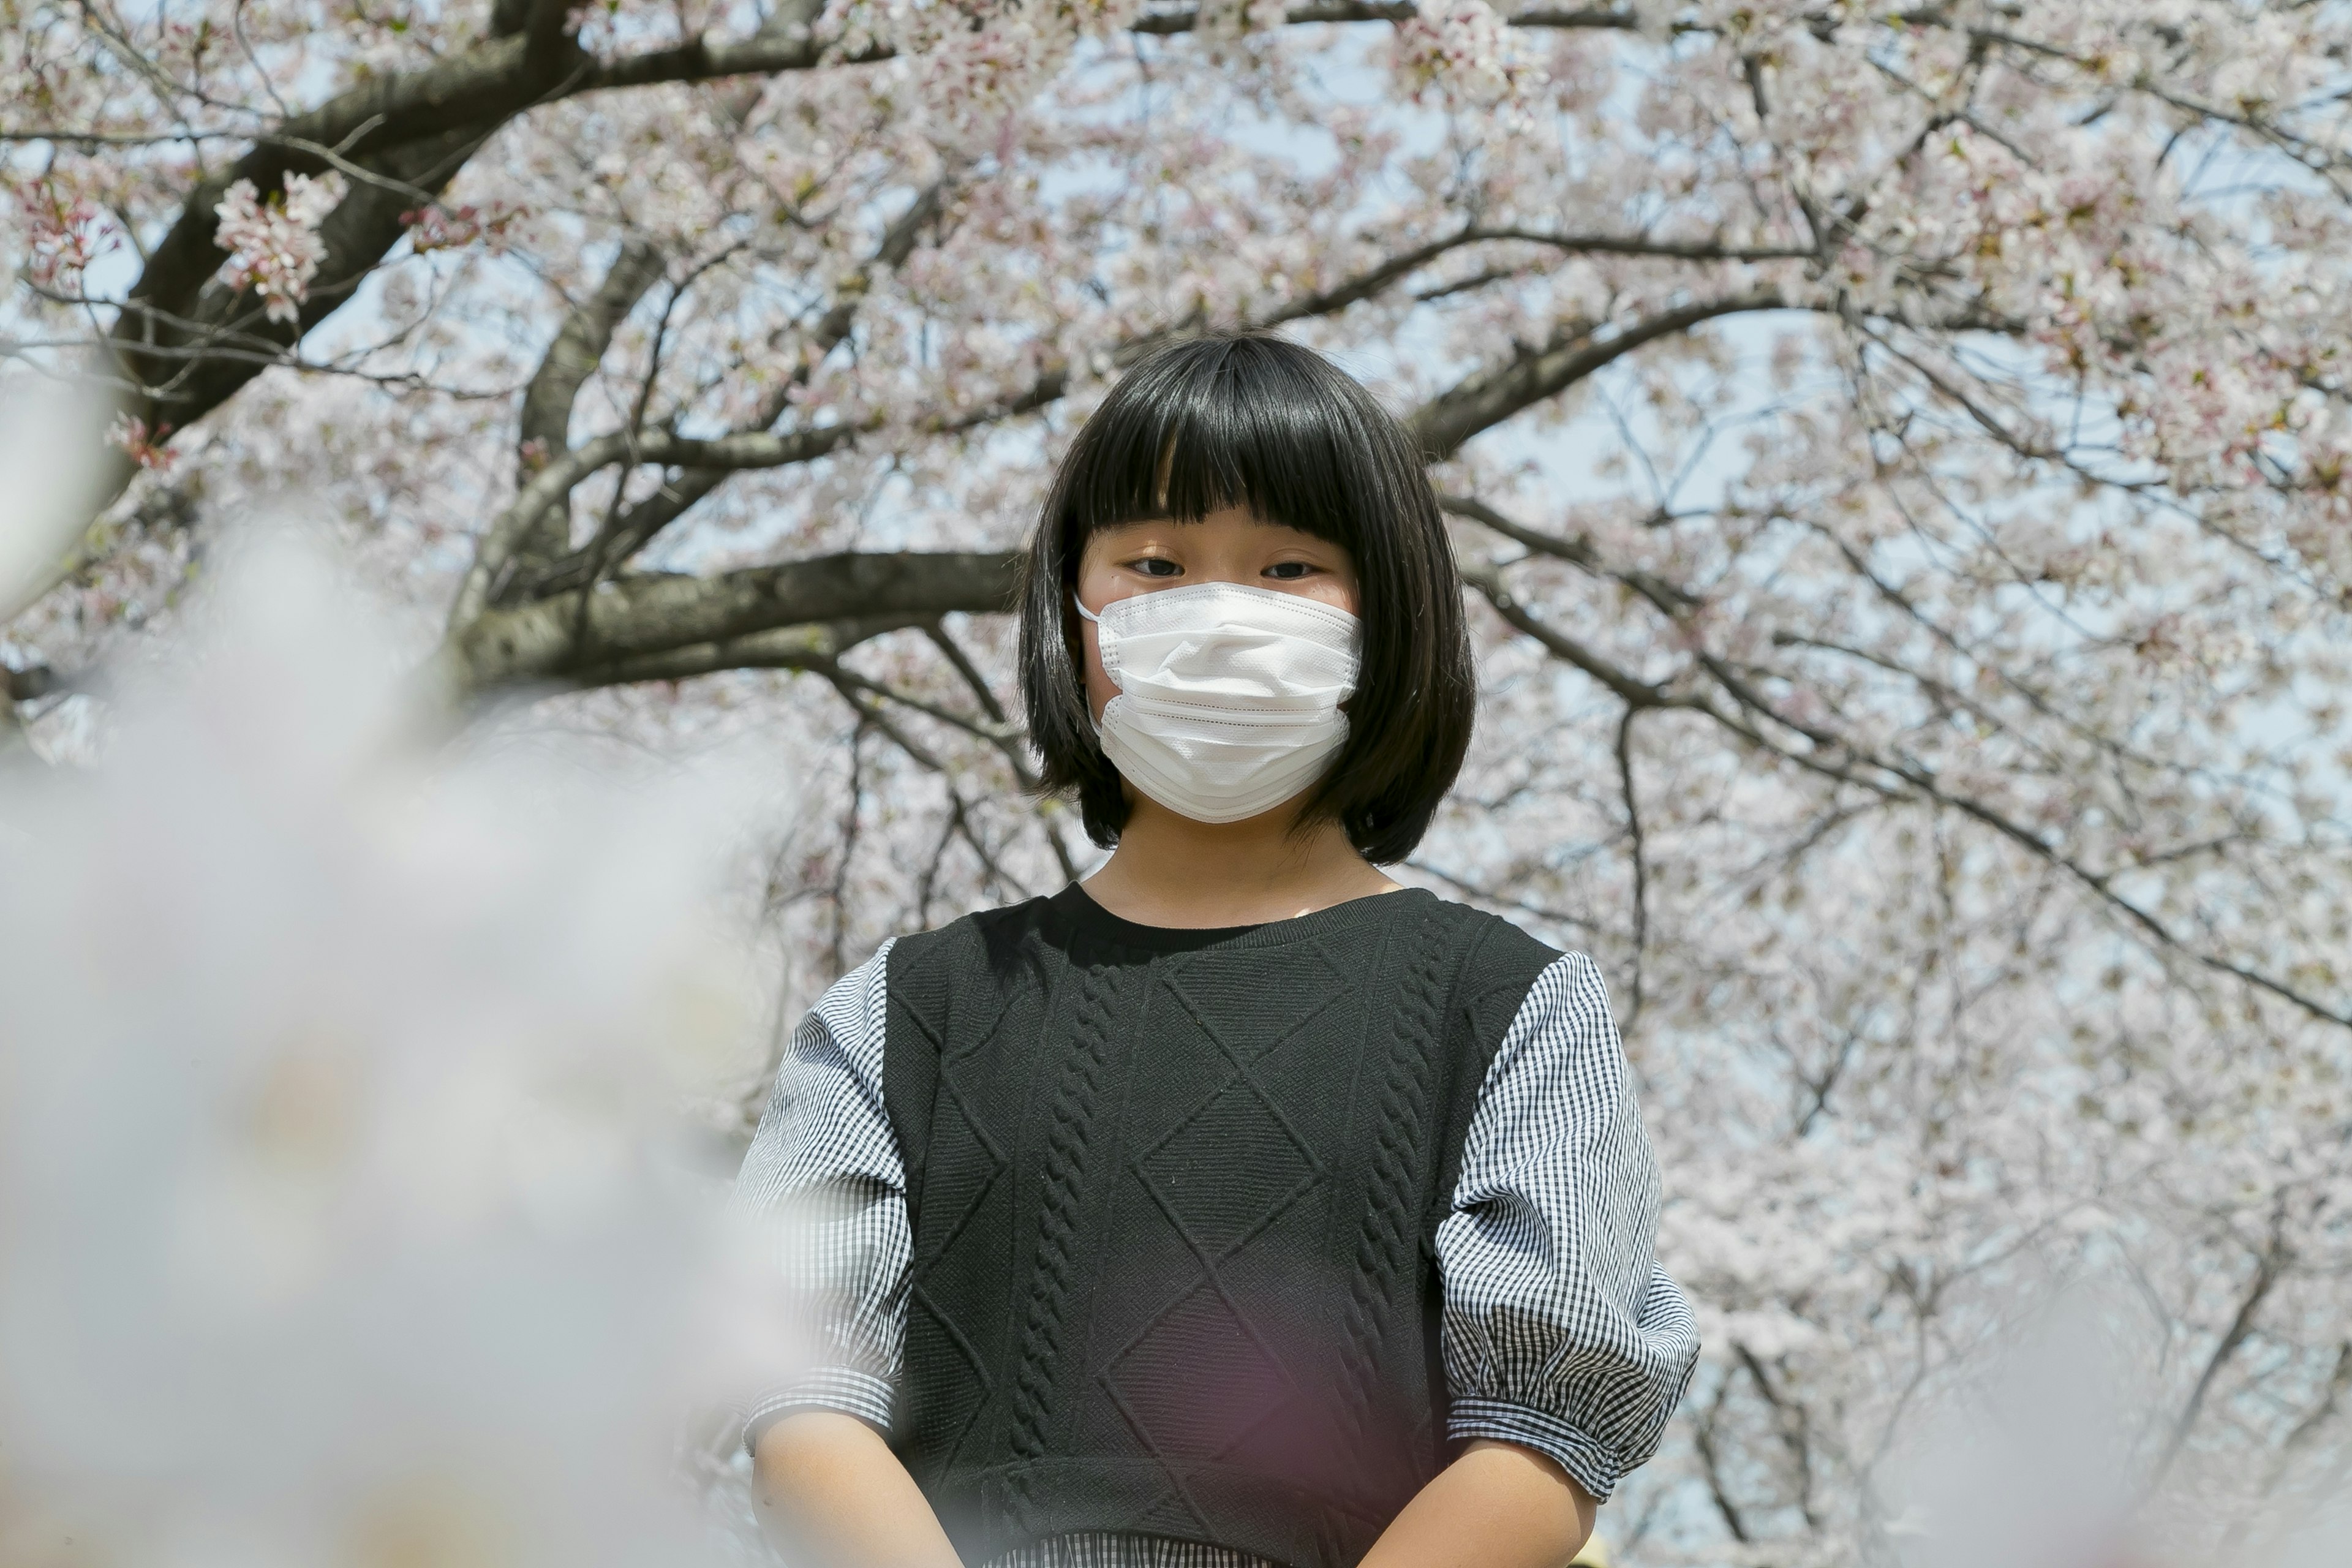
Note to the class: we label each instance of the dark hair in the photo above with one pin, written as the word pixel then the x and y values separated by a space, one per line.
pixel 1252 421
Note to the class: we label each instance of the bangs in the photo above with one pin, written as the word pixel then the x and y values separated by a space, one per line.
pixel 1227 425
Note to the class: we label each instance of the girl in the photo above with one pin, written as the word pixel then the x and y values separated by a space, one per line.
pixel 1238 1206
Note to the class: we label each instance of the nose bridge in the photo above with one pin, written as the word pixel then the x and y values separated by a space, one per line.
pixel 1228 559
pixel 1228 545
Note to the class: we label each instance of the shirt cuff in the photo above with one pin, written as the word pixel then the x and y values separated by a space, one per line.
pixel 1587 1464
pixel 839 1388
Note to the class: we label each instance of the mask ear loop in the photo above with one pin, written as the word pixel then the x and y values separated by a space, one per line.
pixel 1086 615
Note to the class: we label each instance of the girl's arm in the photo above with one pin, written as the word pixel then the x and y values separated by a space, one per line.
pixel 824 1188
pixel 1566 1349
pixel 1497 1505
pixel 832 1495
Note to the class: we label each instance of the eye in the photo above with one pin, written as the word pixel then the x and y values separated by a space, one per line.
pixel 1290 571
pixel 1157 566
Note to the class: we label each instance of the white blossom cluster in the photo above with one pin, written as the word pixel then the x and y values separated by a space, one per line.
pixel 274 246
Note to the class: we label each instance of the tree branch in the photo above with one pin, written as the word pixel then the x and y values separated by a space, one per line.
pixel 1577 551
pixel 1640 856
pixel 1703 1432
pixel 1605 17
pixel 580 345
pixel 2331 1401
pixel 499 556
pixel 2269 1264
pixel 1487 397
pixel 1640 245
pixel 1631 689
pixel 861 696
pixel 1788 1416
pixel 800 647
pixel 666 627
pixel 544 427
pixel 746 450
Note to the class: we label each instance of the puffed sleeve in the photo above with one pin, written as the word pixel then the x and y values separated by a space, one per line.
pixel 824 1188
pixel 1561 1332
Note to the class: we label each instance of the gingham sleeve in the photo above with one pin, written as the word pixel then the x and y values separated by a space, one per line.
pixel 1561 1331
pixel 825 1188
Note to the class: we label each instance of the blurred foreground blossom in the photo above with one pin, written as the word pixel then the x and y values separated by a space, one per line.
pixel 43 503
pixel 2052 1446
pixel 344 1217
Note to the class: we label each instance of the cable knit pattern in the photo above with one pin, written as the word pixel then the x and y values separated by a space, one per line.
pixel 1384 1247
pixel 1075 1098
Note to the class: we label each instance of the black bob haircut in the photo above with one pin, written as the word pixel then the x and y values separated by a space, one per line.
pixel 1253 421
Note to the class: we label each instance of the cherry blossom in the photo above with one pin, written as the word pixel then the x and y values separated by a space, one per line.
pixel 275 247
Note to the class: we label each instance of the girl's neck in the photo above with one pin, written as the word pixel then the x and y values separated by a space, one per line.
pixel 1170 870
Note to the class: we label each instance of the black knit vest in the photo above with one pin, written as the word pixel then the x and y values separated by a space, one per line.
pixel 1174 1198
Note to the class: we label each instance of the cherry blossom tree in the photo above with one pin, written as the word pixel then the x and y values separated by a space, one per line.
pixel 1900 451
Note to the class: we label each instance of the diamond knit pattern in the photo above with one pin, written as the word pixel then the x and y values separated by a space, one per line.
pixel 952 1357
pixel 1205 1377
pixel 1172 1197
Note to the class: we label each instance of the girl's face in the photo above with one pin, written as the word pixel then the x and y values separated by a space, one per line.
pixel 1226 547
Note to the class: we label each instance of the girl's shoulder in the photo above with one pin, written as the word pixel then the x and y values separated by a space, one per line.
pixel 1477 927
pixel 986 939
pixel 1494 960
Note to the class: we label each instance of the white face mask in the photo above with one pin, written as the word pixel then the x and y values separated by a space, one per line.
pixel 1228 696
